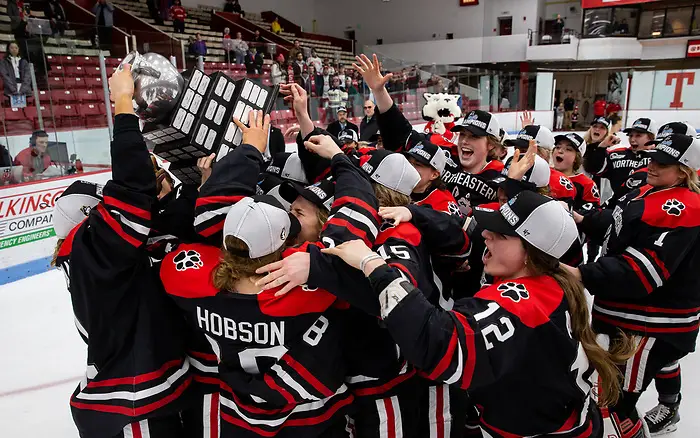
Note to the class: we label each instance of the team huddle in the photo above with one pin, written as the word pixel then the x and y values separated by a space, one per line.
pixel 411 290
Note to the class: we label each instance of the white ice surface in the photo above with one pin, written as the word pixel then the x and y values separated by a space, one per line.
pixel 43 358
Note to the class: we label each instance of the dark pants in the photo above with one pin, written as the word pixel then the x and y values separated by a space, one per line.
pixel 162 427
pixel 179 26
pixel 104 35
pixel 668 383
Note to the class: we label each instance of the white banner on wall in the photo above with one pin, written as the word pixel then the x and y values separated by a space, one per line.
pixel 675 89
pixel 26 213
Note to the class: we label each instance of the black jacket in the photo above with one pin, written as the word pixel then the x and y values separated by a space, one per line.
pixel 335 128
pixel 7 72
pixel 368 128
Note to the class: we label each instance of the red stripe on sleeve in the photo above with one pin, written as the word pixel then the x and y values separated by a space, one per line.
pixel 135 380
pixel 273 385
pixel 640 274
pixel 116 227
pixel 303 372
pixel 351 228
pixel 217 200
pixel 405 270
pixel 659 263
pixel 446 358
pixel 212 229
pixel 360 203
pixel 470 351
pixel 136 211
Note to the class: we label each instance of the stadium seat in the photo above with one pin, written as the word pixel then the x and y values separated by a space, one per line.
pixel 86 61
pixel 84 96
pixel 62 96
pixel 56 82
pixel 94 83
pixel 92 115
pixel 93 71
pixel 68 116
pixel 46 115
pixel 58 70
pixel 16 121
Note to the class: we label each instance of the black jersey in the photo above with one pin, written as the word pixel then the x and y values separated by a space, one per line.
pixel 493 343
pixel 646 280
pixel 136 363
pixel 616 164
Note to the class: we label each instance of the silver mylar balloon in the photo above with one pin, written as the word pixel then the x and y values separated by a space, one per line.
pixel 157 85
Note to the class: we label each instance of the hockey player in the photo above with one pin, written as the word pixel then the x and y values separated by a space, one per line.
pixel 292 339
pixel 567 158
pixel 605 159
pixel 645 283
pixel 486 344
pixel 137 371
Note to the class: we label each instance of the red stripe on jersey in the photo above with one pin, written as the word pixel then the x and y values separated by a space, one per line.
pixel 644 328
pixel 446 358
pixel 217 200
pixel 303 372
pixel 640 274
pixel 360 392
pixel 323 175
pixel 205 379
pixel 296 302
pixel 404 231
pixel 214 416
pixel 116 227
pixel 647 308
pixel 671 375
pixel 570 422
pixel 67 245
pixel 273 385
pixel 659 263
pixel 136 211
pixel 439 406
pixel 390 418
pixel 405 270
pixel 353 229
pixel 359 203
pixel 587 432
pixel 251 408
pixel 207 232
pixel 470 351
pixel 142 378
pixel 204 356
pixel 136 430
pixel 133 412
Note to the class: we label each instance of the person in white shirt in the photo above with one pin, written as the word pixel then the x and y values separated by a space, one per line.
pixel 240 48
pixel 315 60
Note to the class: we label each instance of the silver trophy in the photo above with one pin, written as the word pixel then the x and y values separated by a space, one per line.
pixel 188 115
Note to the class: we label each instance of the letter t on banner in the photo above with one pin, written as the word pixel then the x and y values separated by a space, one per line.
pixel 679 77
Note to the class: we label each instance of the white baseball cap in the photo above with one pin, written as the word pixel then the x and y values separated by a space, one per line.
pixel 541 134
pixel 390 169
pixel 262 223
pixel 74 205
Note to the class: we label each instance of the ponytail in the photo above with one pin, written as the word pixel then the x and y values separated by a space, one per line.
pixel 622 347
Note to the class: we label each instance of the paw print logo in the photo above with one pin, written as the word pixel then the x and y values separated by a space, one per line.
pixel 188 259
pixel 632 183
pixel 566 183
pixel 595 192
pixel 514 291
pixel 673 207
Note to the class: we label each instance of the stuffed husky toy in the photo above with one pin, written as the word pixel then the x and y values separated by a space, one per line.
pixel 441 110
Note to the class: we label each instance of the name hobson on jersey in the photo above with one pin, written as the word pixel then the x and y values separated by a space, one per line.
pixel 270 333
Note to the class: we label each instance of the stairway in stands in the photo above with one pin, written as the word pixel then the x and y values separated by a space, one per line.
pixel 198 20
pixel 324 49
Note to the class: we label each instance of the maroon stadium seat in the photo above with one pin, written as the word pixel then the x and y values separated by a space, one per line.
pixel 16 121
pixel 92 115
pixel 94 84
pixel 88 95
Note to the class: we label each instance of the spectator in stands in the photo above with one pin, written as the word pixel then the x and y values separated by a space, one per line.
pixel 200 46
pixel 299 65
pixel 191 49
pixel 558 28
pixel 341 75
pixel 369 126
pixel 294 50
pixel 104 19
pixel 569 104
pixel 178 15
pixel 253 62
pixel 453 88
pixel 259 44
pixel 505 102
pixel 54 12
pixel 19 16
pixel 154 12
pixel 326 82
pixel 15 72
pixel 315 60
pixel 613 108
pixel 317 81
pixel 599 107
pixel 228 6
pixel 559 111
pixel 331 67
pixel 237 8
pixel 336 97
pixel 34 159
pixel 305 81
pixel 240 48
pixel 275 27
pixel 342 123
pixel 277 74
pixel 353 96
